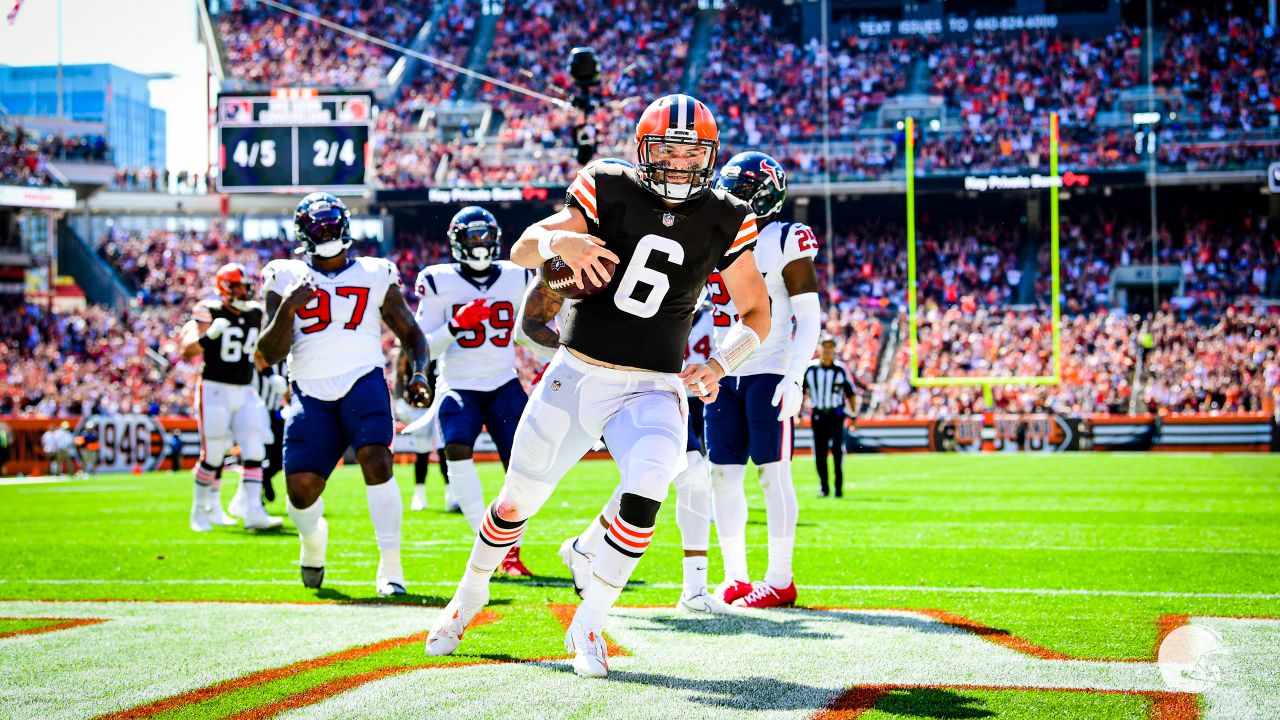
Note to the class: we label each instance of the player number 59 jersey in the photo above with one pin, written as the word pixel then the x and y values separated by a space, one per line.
pixel 483 358
pixel 339 332
pixel 778 245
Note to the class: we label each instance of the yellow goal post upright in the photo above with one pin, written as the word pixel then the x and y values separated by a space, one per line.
pixel 985 381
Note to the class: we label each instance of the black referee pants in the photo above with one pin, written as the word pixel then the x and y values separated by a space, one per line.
pixel 828 433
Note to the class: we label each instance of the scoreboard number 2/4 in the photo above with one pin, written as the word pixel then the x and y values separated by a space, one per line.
pixel 329 153
pixel 253 154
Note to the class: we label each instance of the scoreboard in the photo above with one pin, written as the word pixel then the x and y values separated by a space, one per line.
pixel 293 141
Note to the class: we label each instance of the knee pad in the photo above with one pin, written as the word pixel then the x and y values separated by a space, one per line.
pixel 213 450
pixel 523 495
pixel 696 476
pixel 252 449
pixel 649 478
pixel 537 442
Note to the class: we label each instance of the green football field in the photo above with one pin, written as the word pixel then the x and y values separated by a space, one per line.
pixel 940 586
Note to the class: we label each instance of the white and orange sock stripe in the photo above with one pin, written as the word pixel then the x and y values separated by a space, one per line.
pixel 496 532
pixel 206 476
pixel 627 538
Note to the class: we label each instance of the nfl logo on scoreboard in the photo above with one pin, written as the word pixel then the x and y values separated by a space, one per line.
pixel 668 219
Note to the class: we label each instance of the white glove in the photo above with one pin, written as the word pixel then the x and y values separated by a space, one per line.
pixel 278 384
pixel 787 398
pixel 404 411
pixel 216 328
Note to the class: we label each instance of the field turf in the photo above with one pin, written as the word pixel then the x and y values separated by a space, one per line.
pixel 941 586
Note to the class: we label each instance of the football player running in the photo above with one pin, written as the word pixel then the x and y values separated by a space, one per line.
pixel 225 333
pixel 693 496
pixel 618 373
pixel 468 311
pixel 758 401
pixel 326 314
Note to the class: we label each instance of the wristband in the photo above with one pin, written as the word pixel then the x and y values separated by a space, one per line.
pixel 544 245
pixel 737 346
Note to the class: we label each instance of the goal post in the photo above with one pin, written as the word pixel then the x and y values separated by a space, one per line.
pixel 985 381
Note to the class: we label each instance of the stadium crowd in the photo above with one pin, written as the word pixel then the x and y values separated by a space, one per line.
pixel 25 155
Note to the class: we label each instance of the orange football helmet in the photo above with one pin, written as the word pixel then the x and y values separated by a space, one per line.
pixel 232 282
pixel 674 128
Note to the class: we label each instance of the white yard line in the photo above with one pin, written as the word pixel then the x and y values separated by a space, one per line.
pixel 670 586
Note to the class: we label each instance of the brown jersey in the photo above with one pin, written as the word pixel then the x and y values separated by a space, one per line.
pixel 229 359
pixel 643 316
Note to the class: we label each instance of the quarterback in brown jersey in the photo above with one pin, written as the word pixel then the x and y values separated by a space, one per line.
pixel 620 372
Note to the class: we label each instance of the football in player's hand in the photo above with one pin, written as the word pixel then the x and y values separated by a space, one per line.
pixel 559 278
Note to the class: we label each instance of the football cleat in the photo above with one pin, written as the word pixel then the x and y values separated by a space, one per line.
pixel 218 517
pixel 389 588
pixel 578 562
pixel 237 507
pixel 256 518
pixel 764 595
pixel 590 653
pixel 450 505
pixel 703 603
pixel 731 590
pixel 312 577
pixel 446 634
pixel 512 565
pixel 419 501
pixel 199 518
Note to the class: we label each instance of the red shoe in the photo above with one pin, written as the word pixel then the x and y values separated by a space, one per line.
pixel 511 565
pixel 731 590
pixel 764 595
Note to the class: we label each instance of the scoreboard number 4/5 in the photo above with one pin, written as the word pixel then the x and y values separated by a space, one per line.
pixel 329 153
pixel 251 154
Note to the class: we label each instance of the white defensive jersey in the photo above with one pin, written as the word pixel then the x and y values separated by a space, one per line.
pixel 778 245
pixel 337 336
pixel 483 358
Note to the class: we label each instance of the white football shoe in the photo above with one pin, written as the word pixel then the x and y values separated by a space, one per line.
pixel 446 634
pixel 256 518
pixel 419 501
pixel 237 508
pixel 390 578
pixel 217 516
pixel 199 518
pixel 704 603
pixel 590 653
pixel 450 504
pixel 578 562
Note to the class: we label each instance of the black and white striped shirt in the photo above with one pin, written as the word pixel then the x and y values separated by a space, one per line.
pixel 262 386
pixel 827 386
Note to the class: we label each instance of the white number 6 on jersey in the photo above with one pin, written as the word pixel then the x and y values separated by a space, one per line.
pixel 637 272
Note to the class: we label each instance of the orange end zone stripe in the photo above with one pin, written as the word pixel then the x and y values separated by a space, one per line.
pixel 55 624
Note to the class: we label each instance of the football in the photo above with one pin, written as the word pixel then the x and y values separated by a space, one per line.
pixel 559 277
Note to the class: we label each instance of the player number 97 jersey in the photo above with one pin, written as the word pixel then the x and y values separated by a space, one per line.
pixel 778 245
pixel 339 331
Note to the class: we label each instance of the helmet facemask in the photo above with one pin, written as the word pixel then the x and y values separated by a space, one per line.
pixel 240 296
pixel 677 166
pixel 475 245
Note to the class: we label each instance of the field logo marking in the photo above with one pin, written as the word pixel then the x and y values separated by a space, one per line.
pixel 1191 658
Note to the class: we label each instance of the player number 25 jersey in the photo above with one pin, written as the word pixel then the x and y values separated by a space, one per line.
pixel 778 245
pixel 483 358
pixel 339 332
pixel 642 318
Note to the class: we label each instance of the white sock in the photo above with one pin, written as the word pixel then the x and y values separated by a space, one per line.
pixel 731 519
pixel 782 511
pixel 591 537
pixel 695 575
pixel 313 532
pixel 386 510
pixel 693 504
pixel 465 483
pixel 420 492
pixel 251 486
pixel 597 599
pixel 780 552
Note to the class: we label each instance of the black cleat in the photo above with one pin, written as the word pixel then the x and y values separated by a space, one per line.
pixel 389 589
pixel 312 577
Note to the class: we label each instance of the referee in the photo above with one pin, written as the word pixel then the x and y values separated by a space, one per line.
pixel 827 384
pixel 272 385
